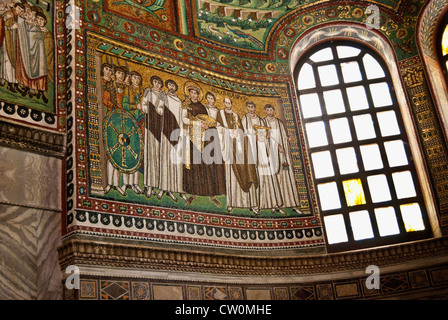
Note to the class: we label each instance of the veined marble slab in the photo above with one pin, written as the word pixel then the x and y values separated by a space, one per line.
pixel 29 267
pixel 30 179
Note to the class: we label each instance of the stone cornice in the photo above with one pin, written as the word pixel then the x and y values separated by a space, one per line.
pixel 16 136
pixel 96 253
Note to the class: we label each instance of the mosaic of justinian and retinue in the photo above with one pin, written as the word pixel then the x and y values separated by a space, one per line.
pixel 166 149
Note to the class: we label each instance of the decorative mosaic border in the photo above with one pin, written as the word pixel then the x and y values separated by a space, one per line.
pixel 420 283
pixel 429 130
pixel 223 234
pixel 27 115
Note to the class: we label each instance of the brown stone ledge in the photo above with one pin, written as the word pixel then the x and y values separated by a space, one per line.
pixel 97 253
pixel 16 136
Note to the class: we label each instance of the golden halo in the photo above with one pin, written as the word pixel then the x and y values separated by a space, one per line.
pixel 193 85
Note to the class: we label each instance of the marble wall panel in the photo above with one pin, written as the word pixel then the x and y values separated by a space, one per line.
pixel 18 277
pixel 168 292
pixel 29 267
pixel 30 179
pixel 258 294
pixel 47 263
pixel 30 225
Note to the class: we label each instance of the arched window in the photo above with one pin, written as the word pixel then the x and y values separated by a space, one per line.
pixel 366 182
pixel 442 44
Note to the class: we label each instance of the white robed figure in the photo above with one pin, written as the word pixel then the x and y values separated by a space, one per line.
pixel 7 50
pixel 152 105
pixel 269 193
pixel 241 173
pixel 281 156
pixel 171 144
pixel 31 60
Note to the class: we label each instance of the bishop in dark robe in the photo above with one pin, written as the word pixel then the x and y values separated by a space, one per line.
pixel 203 172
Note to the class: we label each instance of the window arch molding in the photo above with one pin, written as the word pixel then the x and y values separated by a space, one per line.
pixel 441 32
pixel 429 23
pixel 375 41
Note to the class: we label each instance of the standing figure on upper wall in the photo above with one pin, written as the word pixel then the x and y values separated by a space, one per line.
pixel 241 173
pixel 152 106
pixel 9 56
pixel 204 172
pixel 281 158
pixel 212 110
pixel 171 139
pixel 31 59
pixel 7 49
pixel 131 103
pixel 109 103
pixel 258 132
pixel 120 84
pixel 41 21
pixel 109 100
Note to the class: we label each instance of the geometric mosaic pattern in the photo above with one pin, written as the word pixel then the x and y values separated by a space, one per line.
pixel 419 283
pixel 135 226
pixel 303 293
pixel 140 291
pixel 395 283
pixel 111 290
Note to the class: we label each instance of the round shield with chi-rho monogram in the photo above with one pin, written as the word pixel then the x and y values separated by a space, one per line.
pixel 122 139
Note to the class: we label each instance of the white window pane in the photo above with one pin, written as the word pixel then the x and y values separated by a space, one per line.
pixel 396 154
pixel 372 67
pixel 388 123
pixel 334 102
pixel 357 98
pixel 364 127
pixel 404 185
pixel 347 160
pixel 316 134
pixel 351 72
pixel 306 77
pixel 323 166
pixel 329 196
pixel 371 157
pixel 347 52
pixel 386 221
pixel 328 75
pixel 412 217
pixel 340 130
pixel 381 94
pixel 361 225
pixel 322 55
pixel 379 188
pixel 335 229
pixel 310 105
